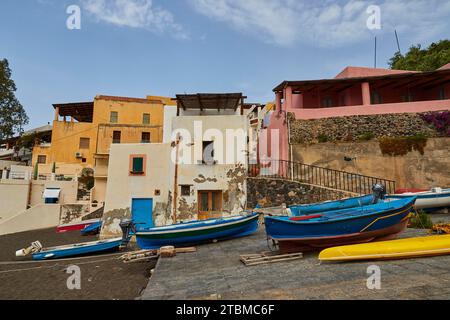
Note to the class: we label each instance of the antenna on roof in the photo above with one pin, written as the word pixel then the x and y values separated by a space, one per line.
pixel 375 60
pixel 398 43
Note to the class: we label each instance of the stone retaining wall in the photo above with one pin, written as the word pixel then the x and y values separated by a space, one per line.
pixel 276 192
pixel 357 128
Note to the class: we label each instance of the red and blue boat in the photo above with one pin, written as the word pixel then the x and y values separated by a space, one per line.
pixel 76 226
pixel 380 221
pixel 196 232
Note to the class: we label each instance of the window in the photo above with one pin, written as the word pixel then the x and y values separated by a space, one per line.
pixel 114 117
pixel 42 159
pixel 185 190
pixel 137 164
pixel 84 143
pixel 83 160
pixel 146 118
pixel 442 94
pixel 375 98
pixel 145 137
pixel 208 152
pixel 116 136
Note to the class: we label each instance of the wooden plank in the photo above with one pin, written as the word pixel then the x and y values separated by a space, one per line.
pixel 268 257
pixel 141 255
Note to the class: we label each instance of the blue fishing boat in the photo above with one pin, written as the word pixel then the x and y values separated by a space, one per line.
pixel 78 249
pixel 380 221
pixel 92 229
pixel 195 232
pixel 306 209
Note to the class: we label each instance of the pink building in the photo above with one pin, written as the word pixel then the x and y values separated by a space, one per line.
pixel 359 91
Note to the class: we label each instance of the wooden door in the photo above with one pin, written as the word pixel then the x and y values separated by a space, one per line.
pixel 209 204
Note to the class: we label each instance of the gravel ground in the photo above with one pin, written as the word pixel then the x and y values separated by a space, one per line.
pixel 102 276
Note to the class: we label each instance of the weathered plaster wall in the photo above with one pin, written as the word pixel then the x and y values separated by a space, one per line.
pixel 123 187
pixel 230 179
pixel 410 171
pixel 272 193
pixel 73 212
pixel 226 176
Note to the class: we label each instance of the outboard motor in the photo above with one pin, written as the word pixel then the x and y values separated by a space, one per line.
pixel 127 226
pixel 379 192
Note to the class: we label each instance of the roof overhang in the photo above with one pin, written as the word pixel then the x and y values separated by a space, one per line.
pixel 412 79
pixel 210 101
pixel 80 111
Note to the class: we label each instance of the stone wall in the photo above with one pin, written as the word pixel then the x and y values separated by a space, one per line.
pixel 275 192
pixel 357 128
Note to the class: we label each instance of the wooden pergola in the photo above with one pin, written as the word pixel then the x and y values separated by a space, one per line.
pixel 80 111
pixel 209 101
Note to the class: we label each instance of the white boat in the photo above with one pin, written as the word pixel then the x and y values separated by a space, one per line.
pixel 434 199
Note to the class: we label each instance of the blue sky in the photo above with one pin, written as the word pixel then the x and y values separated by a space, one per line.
pixel 164 47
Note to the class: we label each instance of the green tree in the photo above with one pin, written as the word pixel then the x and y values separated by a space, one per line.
pixel 418 59
pixel 12 113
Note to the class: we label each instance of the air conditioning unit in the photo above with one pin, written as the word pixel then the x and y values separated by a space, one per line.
pixel 78 155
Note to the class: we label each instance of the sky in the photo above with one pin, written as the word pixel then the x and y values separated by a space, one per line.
pixel 137 48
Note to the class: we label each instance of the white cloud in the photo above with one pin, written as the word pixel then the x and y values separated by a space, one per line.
pixel 141 14
pixel 326 23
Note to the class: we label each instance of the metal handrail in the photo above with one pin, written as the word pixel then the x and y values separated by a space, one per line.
pixel 315 175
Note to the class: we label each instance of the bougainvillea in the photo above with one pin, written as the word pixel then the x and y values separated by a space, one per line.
pixel 440 121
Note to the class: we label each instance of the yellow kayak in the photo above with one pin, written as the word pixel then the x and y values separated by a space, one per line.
pixel 395 249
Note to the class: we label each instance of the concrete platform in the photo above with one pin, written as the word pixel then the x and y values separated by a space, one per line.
pixel 215 271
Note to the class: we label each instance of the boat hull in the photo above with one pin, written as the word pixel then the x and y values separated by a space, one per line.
pixel 92 229
pixel 196 233
pixel 322 233
pixel 77 226
pixel 314 244
pixel 428 201
pixel 78 249
pixel 387 250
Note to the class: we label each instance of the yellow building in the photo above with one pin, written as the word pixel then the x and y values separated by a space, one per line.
pixel 83 132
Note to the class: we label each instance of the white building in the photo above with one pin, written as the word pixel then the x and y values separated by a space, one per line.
pixel 199 174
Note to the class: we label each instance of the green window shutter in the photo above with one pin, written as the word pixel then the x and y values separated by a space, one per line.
pixel 138 165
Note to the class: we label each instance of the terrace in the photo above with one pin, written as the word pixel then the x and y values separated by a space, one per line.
pixel 402 92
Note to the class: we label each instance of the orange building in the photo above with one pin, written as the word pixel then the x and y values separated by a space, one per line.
pixel 83 132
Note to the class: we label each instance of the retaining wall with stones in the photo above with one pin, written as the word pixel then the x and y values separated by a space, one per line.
pixel 358 128
pixel 276 192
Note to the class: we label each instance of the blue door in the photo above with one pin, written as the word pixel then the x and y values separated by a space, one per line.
pixel 142 213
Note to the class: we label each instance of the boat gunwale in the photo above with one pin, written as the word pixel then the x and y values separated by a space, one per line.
pixel 187 228
pixel 407 205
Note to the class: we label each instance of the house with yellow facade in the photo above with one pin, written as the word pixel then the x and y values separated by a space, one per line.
pixel 83 132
